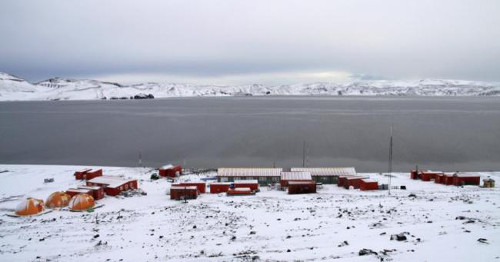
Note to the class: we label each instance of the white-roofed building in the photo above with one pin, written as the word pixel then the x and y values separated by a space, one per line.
pixel 263 175
pixel 326 175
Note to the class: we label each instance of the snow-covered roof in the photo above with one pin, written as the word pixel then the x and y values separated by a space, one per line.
pixel 246 182
pixel 242 189
pixel 248 172
pixel 220 183
pixel 169 166
pixel 89 187
pixel 356 177
pixel 78 190
pixel 326 171
pixel 183 188
pixel 367 180
pixel 301 182
pixel 110 181
pixel 296 175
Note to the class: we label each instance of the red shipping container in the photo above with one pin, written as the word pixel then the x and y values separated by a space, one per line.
pixel 301 187
pixel 200 185
pixel 240 191
pixel 183 192
pixel 461 180
pixel 448 179
pixel 75 191
pixel 252 184
pixel 95 191
pixel 88 174
pixel 341 181
pixel 170 171
pixel 429 175
pixel 219 187
pixel 367 184
pixel 355 182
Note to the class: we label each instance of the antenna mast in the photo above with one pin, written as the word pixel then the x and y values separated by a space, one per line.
pixel 390 162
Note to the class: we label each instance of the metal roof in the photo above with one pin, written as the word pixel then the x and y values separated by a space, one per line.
pixel 301 182
pixel 184 188
pixel 248 172
pixel 327 171
pixel 110 181
pixel 296 176
pixel 245 182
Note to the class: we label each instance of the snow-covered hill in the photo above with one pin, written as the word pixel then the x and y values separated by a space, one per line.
pixel 13 88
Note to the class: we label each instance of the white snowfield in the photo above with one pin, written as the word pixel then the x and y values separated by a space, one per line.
pixel 441 223
pixel 16 89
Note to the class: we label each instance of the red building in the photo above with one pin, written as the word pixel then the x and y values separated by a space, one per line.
pixel 367 184
pixel 87 174
pixel 200 185
pixel 341 181
pixel 439 179
pixel 463 179
pixel 252 184
pixel 240 191
pixel 219 187
pixel 113 185
pixel 75 191
pixel 354 181
pixel 301 187
pixel 448 179
pixel 294 176
pixel 95 191
pixel 170 171
pixel 183 192
pixel 430 175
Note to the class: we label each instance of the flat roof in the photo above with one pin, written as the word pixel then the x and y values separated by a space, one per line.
pixel 169 166
pixel 248 172
pixel 301 182
pixel 326 171
pixel 89 187
pixel 110 181
pixel 183 188
pixel 78 190
pixel 246 182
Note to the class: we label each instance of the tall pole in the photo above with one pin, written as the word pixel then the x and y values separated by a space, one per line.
pixel 304 154
pixel 390 162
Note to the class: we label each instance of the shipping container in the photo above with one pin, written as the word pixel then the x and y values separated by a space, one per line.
pixel 252 184
pixel 170 171
pixel 367 184
pixel 219 187
pixel 75 191
pixel 87 174
pixel 240 191
pixel 200 185
pixel 464 179
pixel 301 187
pixel 183 192
pixel 430 175
pixel 112 185
pixel 95 191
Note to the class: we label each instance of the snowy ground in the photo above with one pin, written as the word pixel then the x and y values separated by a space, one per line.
pixel 334 224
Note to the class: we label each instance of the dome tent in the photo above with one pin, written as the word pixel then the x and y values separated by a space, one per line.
pixel 81 202
pixel 57 200
pixel 29 207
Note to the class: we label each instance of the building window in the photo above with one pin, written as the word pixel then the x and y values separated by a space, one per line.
pixel 223 179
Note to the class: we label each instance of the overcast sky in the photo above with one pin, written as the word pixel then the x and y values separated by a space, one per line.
pixel 241 42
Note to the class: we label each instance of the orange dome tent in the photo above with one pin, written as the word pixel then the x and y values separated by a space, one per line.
pixel 81 202
pixel 30 206
pixel 57 200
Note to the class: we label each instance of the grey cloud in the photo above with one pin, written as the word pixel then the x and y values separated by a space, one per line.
pixel 398 39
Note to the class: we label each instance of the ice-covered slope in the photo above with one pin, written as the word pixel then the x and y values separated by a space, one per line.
pixel 13 88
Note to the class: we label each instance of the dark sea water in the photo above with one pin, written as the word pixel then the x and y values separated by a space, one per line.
pixel 443 133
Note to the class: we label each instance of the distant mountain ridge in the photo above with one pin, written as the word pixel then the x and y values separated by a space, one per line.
pixel 13 88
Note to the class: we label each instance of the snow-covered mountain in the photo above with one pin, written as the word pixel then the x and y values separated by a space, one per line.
pixel 13 88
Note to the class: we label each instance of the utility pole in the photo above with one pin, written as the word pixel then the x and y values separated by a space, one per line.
pixel 390 162
pixel 304 154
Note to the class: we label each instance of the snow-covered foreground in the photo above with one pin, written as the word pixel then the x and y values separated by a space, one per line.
pixel 13 88
pixel 443 223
